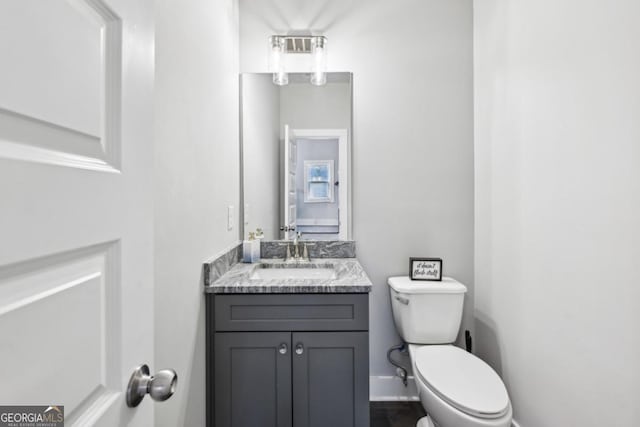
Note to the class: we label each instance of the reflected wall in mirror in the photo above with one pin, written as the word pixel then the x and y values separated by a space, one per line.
pixel 296 156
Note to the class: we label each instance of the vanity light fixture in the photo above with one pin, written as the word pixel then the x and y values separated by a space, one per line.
pixel 314 46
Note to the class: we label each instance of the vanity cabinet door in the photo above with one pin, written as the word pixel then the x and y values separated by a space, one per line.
pixel 330 379
pixel 253 379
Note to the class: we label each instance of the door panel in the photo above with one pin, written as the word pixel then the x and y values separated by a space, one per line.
pixel 76 285
pixel 60 307
pixel 330 370
pixel 72 62
pixel 60 83
pixel 252 379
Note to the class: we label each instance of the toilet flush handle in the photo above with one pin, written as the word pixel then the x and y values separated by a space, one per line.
pixel 402 300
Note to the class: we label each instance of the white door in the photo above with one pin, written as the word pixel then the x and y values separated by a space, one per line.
pixel 290 195
pixel 76 282
pixel 343 174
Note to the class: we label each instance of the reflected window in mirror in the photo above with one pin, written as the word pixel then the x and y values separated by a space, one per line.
pixel 318 181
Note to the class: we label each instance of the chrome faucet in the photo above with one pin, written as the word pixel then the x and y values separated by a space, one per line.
pixel 297 254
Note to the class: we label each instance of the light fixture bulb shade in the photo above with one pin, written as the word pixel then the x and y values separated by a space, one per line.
pixel 319 60
pixel 318 79
pixel 280 79
pixel 277 52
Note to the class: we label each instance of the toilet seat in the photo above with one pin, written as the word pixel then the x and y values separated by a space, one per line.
pixel 462 380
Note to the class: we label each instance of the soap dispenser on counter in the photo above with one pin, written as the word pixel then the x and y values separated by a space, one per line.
pixel 251 249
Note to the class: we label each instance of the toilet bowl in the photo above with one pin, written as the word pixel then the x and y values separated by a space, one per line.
pixel 456 388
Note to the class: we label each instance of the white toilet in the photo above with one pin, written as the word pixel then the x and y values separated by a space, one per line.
pixel 456 388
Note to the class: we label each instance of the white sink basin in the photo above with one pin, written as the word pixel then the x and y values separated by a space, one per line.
pixel 301 272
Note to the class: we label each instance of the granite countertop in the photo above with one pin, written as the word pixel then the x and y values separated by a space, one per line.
pixel 349 278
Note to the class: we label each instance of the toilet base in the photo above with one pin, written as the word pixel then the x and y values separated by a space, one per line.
pixel 425 422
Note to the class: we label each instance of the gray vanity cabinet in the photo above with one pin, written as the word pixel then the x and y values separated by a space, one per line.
pixel 330 379
pixel 291 360
pixel 253 377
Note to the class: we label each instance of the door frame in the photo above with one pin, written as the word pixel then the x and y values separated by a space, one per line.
pixel 344 171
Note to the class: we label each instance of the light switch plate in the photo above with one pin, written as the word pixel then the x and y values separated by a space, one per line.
pixel 230 217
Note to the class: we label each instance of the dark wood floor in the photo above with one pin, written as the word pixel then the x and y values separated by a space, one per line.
pixel 395 414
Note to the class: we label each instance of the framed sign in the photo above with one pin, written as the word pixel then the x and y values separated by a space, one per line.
pixel 425 269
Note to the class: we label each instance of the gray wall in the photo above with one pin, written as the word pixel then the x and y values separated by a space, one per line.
pixel 261 154
pixel 327 106
pixel 413 124
pixel 196 177
pixel 558 206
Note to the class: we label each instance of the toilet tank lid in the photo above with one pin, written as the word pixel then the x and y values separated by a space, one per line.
pixel 405 285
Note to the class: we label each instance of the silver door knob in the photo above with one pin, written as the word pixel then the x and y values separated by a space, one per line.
pixel 299 348
pixel 160 386
pixel 283 348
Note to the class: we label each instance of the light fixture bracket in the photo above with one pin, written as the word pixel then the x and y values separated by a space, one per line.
pixel 299 44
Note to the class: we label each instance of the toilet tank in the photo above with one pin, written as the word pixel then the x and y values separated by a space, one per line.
pixel 427 312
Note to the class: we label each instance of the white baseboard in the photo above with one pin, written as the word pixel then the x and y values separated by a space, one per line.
pixel 390 388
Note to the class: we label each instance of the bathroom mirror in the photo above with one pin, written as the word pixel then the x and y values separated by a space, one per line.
pixel 296 156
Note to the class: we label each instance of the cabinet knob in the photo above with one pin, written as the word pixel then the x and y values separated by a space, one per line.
pixel 283 348
pixel 299 348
